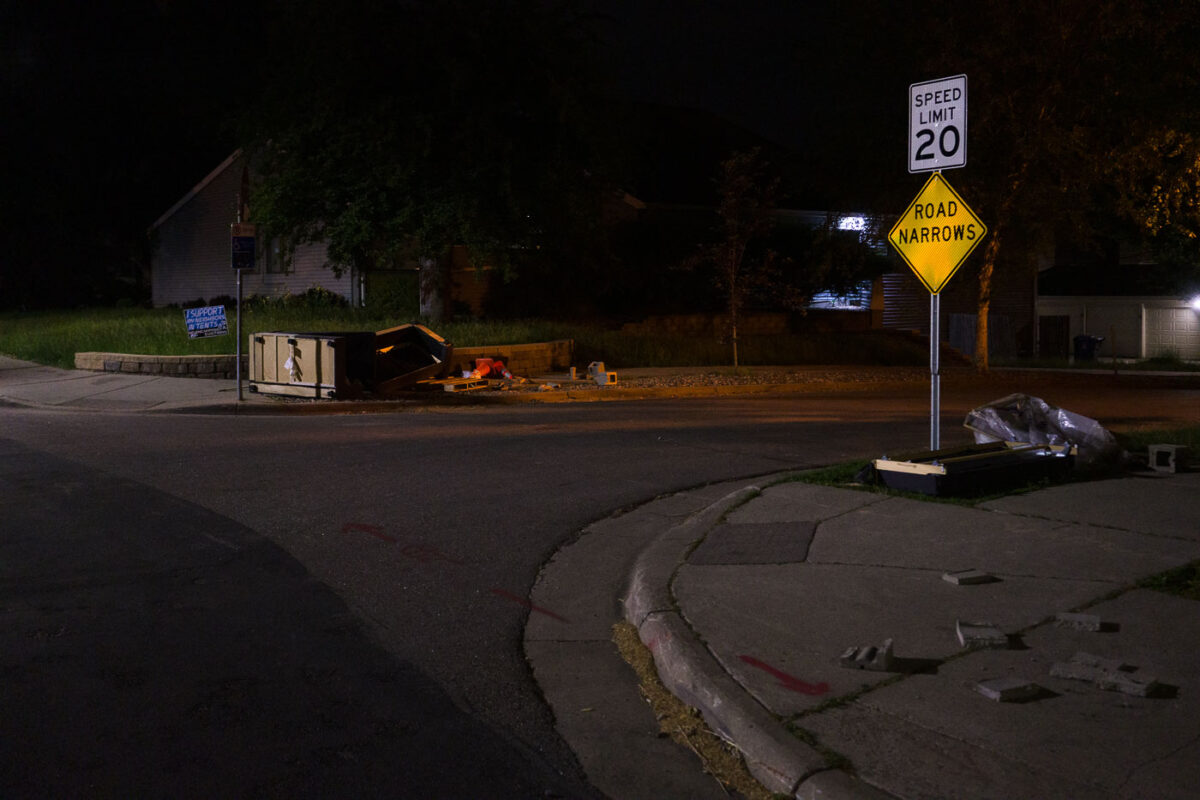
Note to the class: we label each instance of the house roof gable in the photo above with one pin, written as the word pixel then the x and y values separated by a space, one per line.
pixel 199 187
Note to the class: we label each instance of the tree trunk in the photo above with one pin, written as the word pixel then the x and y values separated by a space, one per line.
pixel 985 300
pixel 431 288
pixel 989 268
pixel 733 330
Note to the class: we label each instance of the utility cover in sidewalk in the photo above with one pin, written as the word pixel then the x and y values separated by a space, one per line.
pixel 755 543
pixel 937 233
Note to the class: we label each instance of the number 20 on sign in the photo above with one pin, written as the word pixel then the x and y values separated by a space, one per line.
pixel 937 124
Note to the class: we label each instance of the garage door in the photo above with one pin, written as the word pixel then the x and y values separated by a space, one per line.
pixel 1173 331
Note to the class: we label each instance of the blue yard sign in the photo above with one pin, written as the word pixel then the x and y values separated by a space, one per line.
pixel 205 322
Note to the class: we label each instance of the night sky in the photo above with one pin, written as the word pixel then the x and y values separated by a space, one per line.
pixel 115 109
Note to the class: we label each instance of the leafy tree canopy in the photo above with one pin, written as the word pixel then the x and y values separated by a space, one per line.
pixel 1083 113
pixel 391 131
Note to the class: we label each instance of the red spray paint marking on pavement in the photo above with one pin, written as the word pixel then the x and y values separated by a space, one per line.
pixel 425 553
pixel 785 680
pixel 522 601
pixel 374 530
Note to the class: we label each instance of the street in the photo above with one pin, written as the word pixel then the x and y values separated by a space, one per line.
pixel 429 527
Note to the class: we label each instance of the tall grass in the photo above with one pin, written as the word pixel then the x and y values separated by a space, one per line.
pixel 54 337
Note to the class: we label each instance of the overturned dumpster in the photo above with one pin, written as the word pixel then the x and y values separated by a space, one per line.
pixel 1019 440
pixel 407 354
pixel 975 469
pixel 316 365
pixel 346 364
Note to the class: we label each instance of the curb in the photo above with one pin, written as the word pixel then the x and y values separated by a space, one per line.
pixel 779 761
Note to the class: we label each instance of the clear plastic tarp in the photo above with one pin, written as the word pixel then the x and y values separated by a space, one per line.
pixel 1024 418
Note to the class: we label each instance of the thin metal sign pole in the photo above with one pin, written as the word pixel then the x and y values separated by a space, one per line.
pixel 935 385
pixel 238 349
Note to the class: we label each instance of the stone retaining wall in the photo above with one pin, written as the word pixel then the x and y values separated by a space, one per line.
pixel 216 366
pixel 521 359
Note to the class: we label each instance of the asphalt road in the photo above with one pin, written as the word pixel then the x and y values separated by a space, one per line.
pixel 404 544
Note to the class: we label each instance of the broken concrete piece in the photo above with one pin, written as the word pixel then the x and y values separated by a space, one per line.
pixel 981 634
pixel 1008 690
pixel 1168 458
pixel 1080 622
pixel 968 577
pixel 874 659
pixel 1106 664
pixel 1111 675
pixel 1128 683
pixel 1076 672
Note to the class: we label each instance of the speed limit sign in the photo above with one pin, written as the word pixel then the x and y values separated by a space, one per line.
pixel 937 124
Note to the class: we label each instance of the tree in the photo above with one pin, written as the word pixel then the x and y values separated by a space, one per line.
pixel 746 213
pixel 1082 112
pixel 392 131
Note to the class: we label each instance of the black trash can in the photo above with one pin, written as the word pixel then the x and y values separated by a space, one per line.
pixel 1085 347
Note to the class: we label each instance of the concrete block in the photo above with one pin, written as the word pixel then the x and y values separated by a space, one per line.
pixel 1079 622
pixel 1128 683
pixel 1111 675
pixel 1106 664
pixel 112 365
pixel 969 577
pixel 980 635
pixel 874 659
pixel 1072 671
pixel 1008 690
pixel 1168 457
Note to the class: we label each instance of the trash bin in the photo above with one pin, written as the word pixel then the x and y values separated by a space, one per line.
pixel 1085 347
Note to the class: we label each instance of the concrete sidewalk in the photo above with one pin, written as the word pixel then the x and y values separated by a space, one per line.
pixel 749 603
pixel 30 384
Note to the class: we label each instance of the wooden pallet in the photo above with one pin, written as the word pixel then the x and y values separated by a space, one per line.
pixel 454 384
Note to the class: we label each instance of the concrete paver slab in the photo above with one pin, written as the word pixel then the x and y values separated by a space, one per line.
pixel 755 543
pixel 1149 503
pixel 797 619
pixel 918 732
pixel 915 534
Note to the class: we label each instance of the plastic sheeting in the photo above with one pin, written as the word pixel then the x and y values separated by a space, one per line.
pixel 1024 418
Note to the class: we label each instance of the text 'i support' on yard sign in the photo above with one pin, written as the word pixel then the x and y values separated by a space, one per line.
pixel 937 233
pixel 204 322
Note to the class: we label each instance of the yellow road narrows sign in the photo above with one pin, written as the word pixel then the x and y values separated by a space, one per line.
pixel 937 233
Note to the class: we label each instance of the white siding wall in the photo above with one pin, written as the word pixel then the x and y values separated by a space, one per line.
pixel 192 259
pixel 1144 327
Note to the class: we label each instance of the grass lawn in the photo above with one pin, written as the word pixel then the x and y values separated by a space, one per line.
pixel 53 337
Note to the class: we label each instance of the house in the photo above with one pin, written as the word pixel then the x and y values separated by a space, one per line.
pixel 1119 295
pixel 190 259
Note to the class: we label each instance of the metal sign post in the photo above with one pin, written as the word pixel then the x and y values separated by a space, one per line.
pixel 238 350
pixel 934 236
pixel 935 378
pixel 242 255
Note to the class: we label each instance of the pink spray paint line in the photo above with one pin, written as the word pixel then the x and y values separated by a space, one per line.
pixel 374 530
pixel 787 681
pixel 425 553
pixel 415 551
pixel 522 601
